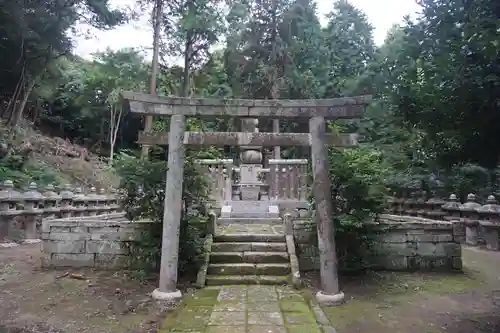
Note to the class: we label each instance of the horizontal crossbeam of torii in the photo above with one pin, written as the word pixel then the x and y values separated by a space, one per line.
pixel 316 110
pixel 334 108
pixel 248 139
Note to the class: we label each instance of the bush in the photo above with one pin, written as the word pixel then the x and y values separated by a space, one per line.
pixel 143 184
pixel 358 195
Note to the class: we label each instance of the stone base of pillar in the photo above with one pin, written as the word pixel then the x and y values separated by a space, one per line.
pixel 166 296
pixel 330 299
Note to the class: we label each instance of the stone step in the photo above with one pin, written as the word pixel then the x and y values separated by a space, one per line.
pixel 249 257
pixel 248 246
pixel 249 238
pixel 222 280
pixel 252 215
pixel 263 219
pixel 249 269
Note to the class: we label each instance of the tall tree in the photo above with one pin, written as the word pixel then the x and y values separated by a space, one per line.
pixel 157 21
pixel 191 28
pixel 351 49
pixel 34 34
pixel 449 85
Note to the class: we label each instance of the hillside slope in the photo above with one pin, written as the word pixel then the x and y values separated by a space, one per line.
pixel 27 155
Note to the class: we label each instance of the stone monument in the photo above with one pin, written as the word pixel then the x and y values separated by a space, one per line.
pixel 252 206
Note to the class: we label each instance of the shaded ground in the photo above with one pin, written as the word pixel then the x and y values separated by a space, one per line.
pixel 33 300
pixel 423 303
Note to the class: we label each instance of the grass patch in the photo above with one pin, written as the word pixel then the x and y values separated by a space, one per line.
pixel 193 314
pixel 377 300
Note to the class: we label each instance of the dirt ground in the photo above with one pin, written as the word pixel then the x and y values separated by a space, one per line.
pixel 423 303
pixel 34 300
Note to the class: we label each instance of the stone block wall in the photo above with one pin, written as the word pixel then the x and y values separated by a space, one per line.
pixel 400 243
pixel 87 241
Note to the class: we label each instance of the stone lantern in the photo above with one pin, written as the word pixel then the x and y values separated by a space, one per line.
pixel 434 208
pixel 421 204
pixel 489 224
pixel 9 200
pixel 391 207
pixel 394 203
pixel 79 202
pixel 102 203
pixel 470 216
pixel 32 202
pixel 51 201
pixel 411 204
pixel 92 200
pixel 113 200
pixel 452 208
pixel 452 213
pixel 66 201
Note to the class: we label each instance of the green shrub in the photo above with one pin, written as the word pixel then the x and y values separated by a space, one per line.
pixel 143 184
pixel 358 195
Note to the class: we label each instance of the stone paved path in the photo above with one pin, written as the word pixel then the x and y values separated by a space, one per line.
pixel 247 309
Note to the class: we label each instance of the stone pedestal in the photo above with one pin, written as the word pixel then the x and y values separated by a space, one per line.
pixel 491 235
pixel 471 237
pixel 250 192
pixel 249 184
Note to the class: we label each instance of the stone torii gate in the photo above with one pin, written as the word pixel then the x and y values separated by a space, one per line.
pixel 250 110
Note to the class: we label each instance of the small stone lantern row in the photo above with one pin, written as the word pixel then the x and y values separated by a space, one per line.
pixel 474 224
pixel 33 204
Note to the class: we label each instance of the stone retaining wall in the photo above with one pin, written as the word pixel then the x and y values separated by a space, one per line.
pixel 97 242
pixel 401 243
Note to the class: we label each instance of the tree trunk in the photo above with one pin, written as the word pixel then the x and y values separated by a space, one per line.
pixel 12 102
pixel 18 112
pixel 154 70
pixel 113 133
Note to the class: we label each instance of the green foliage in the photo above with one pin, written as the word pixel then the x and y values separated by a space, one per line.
pixel 349 40
pixel 33 35
pixel 447 80
pixel 143 183
pixel 29 172
pixel 359 195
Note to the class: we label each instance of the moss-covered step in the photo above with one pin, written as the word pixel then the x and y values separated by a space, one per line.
pixel 222 280
pixel 249 238
pixel 249 269
pixel 249 257
pixel 249 246
pixel 266 257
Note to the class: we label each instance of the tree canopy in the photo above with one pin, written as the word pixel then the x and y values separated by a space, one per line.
pixel 435 78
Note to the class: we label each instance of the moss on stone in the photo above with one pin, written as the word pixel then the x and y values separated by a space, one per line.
pixel 193 314
pixel 292 298
pixel 303 328
pixel 291 305
pixel 299 318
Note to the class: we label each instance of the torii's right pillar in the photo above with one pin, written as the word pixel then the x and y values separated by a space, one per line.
pixel 329 293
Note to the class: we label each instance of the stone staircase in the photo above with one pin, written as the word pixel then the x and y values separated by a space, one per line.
pixel 248 259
